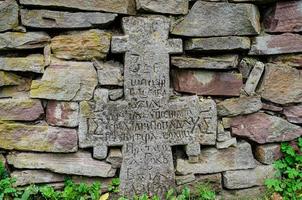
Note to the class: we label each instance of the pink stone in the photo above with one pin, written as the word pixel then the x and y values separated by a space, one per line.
pixel 263 128
pixel 285 16
pixel 62 113
pixel 207 82
pixel 293 114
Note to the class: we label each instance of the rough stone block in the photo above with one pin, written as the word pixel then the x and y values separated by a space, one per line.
pixel 110 73
pixel 268 153
pixel 254 78
pixel 291 60
pixel 32 63
pixel 293 114
pixel 115 157
pixel 8 15
pixel 164 6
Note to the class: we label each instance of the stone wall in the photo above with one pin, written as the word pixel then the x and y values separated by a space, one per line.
pixel 60 59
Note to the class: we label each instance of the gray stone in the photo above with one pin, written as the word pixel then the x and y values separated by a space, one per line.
pixel 115 157
pixel 66 80
pixel 117 6
pixel 239 106
pixel 116 94
pixel 254 78
pixel 20 109
pixel 181 180
pixel 225 19
pixel 19 90
pixel 222 135
pixel 8 15
pixel 32 63
pixel 110 73
pixel 147 123
pixel 164 6
pixel 293 113
pixel 212 160
pixel 226 144
pixel 230 43
pixel 59 19
pixel 246 65
pixel 8 79
pixel 27 177
pixel 80 163
pixel 247 194
pixel 214 62
pixel 247 178
pixel 17 40
pixel 268 153
pixel 38 137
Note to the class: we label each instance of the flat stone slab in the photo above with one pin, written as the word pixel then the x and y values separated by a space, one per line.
pixel 80 163
pixel 213 62
pixel 32 63
pixel 117 6
pixel 226 19
pixel 18 40
pixel 41 137
pixel 20 109
pixel 276 44
pixel 66 80
pixel 9 79
pixel 164 6
pixel 60 19
pixel 291 60
pixel 207 82
pixel 248 178
pixel 281 84
pixel 230 43
pixel 87 45
pixel 212 160
pixel 293 114
pixel 268 153
pixel 284 16
pixel 8 15
pixel 263 128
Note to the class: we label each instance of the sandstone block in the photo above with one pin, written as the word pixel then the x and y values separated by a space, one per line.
pixel 226 19
pixel 18 40
pixel 7 79
pixel 207 82
pixel 263 128
pixel 62 113
pixel 32 63
pixel 226 144
pixel 66 80
pixel 110 73
pixel 164 6
pixel 293 114
pixel 214 62
pixel 59 19
pixel 20 109
pixel 80 163
pixel 43 138
pixel 268 153
pixel 8 15
pixel 291 60
pixel 254 78
pixel 88 45
pixel 115 157
pixel 239 106
pixel 212 160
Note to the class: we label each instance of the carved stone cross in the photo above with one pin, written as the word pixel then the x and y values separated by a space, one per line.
pixel 149 121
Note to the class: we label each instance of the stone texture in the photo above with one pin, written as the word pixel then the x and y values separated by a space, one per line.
pixel 115 157
pixel 116 94
pixel 18 40
pixel 222 135
pixel 230 43
pixel 32 63
pixel 263 128
pixel 7 79
pixel 285 16
pixel 116 6
pixel 246 65
pixel 226 19
pixel 254 78
pixel 62 113
pixel 271 107
pixel 28 177
pixel 164 6
pixel 66 80
pixel 268 153
pixel 212 160
pixel 38 137
pixel 21 90
pixel 226 144
pixel 247 178
pixel 239 106
pixel 79 163
pixel 110 73
pixel 276 44
pixel 214 62
pixel 20 109
pixel 59 19
pixel 87 45
pixel 281 85
pixel 8 15
pixel 291 60
pixel 293 114
pixel 207 82
pixel 247 194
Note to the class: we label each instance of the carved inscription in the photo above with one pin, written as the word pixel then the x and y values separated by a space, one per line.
pixel 148 122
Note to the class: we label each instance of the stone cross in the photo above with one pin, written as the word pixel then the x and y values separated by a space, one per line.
pixel 149 121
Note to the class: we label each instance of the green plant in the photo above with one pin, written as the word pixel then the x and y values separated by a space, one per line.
pixel 6 184
pixel 114 185
pixel 206 192
pixel 288 181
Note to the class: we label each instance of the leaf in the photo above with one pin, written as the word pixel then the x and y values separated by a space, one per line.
pixel 104 196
